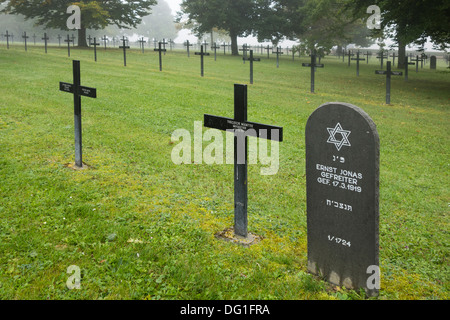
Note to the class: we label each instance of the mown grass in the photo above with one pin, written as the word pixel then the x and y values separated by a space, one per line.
pixel 141 227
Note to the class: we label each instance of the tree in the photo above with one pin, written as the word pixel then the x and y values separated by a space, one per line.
pixel 94 14
pixel 234 16
pixel 409 21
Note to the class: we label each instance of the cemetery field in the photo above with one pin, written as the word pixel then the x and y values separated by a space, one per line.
pixel 139 226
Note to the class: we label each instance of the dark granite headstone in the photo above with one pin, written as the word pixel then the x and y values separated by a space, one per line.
pixel 433 62
pixel 342 183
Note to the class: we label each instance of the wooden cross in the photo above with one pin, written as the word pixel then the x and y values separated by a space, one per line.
pixel 95 44
pixel 68 44
pixel 104 39
pixel 251 59
pixel 313 65
pixel 160 57
pixel 187 45
pixel 215 47
pixel 45 38
pixel 201 54
pixel 242 129
pixel 25 37
pixel 358 59
pixel 7 39
pixel 77 90
pixel 278 52
pixel 141 43
pixel 388 74
pixel 124 47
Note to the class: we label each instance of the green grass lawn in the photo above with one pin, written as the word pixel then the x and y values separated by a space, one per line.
pixel 140 227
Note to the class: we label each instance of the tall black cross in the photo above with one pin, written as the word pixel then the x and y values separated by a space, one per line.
pixel 7 36
pixel 350 55
pixel 77 90
pixel 393 58
pixel 215 47
pixel 201 54
pixel 313 65
pixel 124 47
pixel 68 44
pixel 358 59
pixel 367 54
pixel 141 43
pixel 104 39
pixel 160 56
pixel 95 44
pixel 268 48
pixel 242 129
pixel 417 63
pixel 224 45
pixel 244 50
pixel 407 64
pixel 45 38
pixel 25 37
pixel 388 74
pixel 251 59
pixel 381 56
pixel 278 53
pixel 187 45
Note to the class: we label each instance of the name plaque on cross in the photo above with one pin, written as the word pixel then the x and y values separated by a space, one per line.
pixel 342 195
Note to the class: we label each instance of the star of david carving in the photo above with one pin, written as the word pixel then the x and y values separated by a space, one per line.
pixel 344 133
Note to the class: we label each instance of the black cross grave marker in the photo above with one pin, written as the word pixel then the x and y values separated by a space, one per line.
pixel 164 45
pixel 350 55
pixel 202 54
pixel 124 47
pixel 268 48
pixel 417 63
pixel 104 39
pixel 242 129
pixel 393 58
pixel 77 90
pixel 251 59
pixel 224 45
pixel 141 43
pixel 187 45
pixel 205 44
pixel 407 67
pixel 25 37
pixel 90 40
pixel 358 59
pixel 244 50
pixel 388 74
pixel 215 47
pixel 95 44
pixel 45 38
pixel 160 56
pixel 68 44
pixel 7 36
pixel 313 65
pixel 278 53
pixel 367 54
pixel 34 38
pixel 382 56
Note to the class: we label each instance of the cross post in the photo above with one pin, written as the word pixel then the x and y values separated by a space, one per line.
pixel 358 59
pixel 160 56
pixel 381 56
pixel 244 50
pixel 7 36
pixel 104 39
pixel 77 90
pixel 45 38
pixel 215 47
pixel 242 129
pixel 268 53
pixel 349 54
pixel 141 43
pixel 202 54
pixel 313 65
pixel 187 45
pixel 251 59
pixel 278 52
pixel 68 44
pixel 124 47
pixel 388 74
pixel 95 44
pixel 25 37
pixel 417 63
pixel 367 54
pixel 89 38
